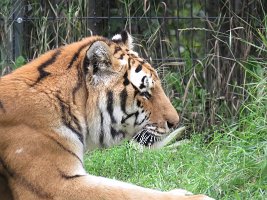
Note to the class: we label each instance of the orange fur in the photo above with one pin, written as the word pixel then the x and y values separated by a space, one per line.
pixel 47 111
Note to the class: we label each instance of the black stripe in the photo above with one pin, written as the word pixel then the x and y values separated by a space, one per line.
pixel 78 85
pixel 95 66
pixel 123 99
pixel 113 132
pixel 126 80
pixel 138 69
pixel 135 88
pixel 2 107
pixel 127 117
pixel 85 119
pixel 110 106
pixel 136 91
pixel 138 103
pixel 133 56
pixel 71 177
pixel 142 61
pixel 143 79
pixel 86 63
pixel 117 48
pixel 146 94
pixel 67 118
pixel 142 86
pixel 76 122
pixel 34 188
pixel 87 129
pixel 79 135
pixel 129 63
pixel 8 193
pixel 64 148
pixel 101 134
pixel 65 108
pixel 41 69
pixel 121 56
pixel 136 117
pixel 76 55
pixel 9 172
pixel 141 121
pixel 65 176
pixel 74 58
pixel 124 36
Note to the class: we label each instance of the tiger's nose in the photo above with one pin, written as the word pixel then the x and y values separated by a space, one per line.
pixel 173 123
pixel 170 125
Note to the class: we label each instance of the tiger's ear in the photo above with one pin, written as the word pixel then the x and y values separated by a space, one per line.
pixel 124 38
pixel 98 52
pixel 98 59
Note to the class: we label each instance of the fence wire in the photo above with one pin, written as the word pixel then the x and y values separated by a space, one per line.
pixel 164 29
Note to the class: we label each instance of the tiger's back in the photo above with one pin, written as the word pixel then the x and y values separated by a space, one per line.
pixel 32 90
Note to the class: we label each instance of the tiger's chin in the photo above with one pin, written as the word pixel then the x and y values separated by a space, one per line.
pixel 154 138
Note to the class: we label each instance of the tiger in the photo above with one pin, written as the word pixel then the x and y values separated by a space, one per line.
pixel 94 93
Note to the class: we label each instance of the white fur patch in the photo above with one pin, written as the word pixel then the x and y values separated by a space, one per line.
pixel 18 151
pixel 117 37
pixel 68 134
pixel 106 120
pixel 140 120
pixel 123 62
pixel 136 79
pixel 73 138
pixel 92 141
pixel 134 53
pixel 130 42
pixel 117 113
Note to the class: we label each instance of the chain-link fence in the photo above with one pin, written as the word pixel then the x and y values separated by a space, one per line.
pixel 165 28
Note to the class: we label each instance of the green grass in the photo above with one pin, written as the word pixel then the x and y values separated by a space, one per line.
pixel 232 166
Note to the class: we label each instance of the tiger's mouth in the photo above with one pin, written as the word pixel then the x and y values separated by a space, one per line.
pixel 147 137
pixel 152 137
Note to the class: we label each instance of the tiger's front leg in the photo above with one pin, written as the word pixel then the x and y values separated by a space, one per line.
pixel 99 188
pixel 51 169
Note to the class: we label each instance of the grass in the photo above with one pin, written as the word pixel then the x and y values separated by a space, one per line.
pixel 232 165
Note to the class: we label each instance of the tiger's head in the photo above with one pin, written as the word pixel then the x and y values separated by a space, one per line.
pixel 127 95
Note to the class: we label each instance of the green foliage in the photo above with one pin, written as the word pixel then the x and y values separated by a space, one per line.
pixel 230 167
pixel 5 6
pixel 19 62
